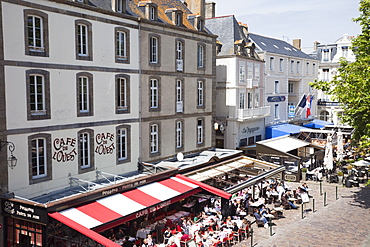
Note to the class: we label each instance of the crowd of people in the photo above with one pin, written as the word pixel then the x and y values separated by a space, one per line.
pixel 212 224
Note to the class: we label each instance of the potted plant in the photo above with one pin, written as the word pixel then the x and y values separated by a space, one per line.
pixel 349 169
pixel 304 173
pixel 340 177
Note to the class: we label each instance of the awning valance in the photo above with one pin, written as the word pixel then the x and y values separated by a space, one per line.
pixel 317 124
pixel 282 129
pixel 284 143
pixel 116 209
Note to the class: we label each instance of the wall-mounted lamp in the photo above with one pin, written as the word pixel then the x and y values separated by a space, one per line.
pixel 12 160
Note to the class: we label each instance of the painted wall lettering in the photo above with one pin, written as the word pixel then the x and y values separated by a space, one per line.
pixel 104 143
pixel 65 149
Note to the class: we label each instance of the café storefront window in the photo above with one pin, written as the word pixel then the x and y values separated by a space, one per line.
pixel 24 233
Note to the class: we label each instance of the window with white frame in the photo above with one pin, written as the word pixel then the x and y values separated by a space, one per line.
pixel 122 93
pixel 313 68
pixel 153 50
pixel 200 131
pixel 276 87
pixel 241 73
pixel 250 71
pixel 281 64
pixel 271 63
pixel 307 67
pixel 276 111
pixel 200 93
pixel 121 38
pixel 325 55
pixel 179 55
pixel 325 74
pixel 290 87
pixel 178 19
pixel 256 100
pixel 241 100
pixel 178 134
pixel 37 94
pixel 154 93
pixel 291 66
pixel 257 71
pixel 38 158
pixel 36 33
pixel 154 138
pixel 200 56
pixel 120 6
pixel 249 100
pixel 82 33
pixel 298 67
pixel 83 40
pixel 83 94
pixel 122 144
pixel 152 13
pixel 179 100
pixel 84 149
pixel 344 51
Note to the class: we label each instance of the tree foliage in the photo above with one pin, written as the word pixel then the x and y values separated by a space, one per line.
pixel 351 85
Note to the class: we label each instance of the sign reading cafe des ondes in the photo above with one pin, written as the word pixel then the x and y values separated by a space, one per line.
pixel 65 149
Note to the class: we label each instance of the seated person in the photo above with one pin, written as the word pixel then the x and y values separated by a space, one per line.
pixel 264 210
pixel 260 217
pixel 285 200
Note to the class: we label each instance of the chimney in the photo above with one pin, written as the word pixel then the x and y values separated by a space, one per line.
pixel 196 6
pixel 315 45
pixel 210 9
pixel 297 43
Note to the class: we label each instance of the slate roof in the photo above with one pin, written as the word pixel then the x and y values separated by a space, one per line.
pixel 228 31
pixel 271 45
pixel 132 9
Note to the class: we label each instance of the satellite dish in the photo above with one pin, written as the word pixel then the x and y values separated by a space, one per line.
pixel 180 156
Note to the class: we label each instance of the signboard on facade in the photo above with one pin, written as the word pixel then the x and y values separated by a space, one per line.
pixel 25 212
pixel 275 98
pixel 291 111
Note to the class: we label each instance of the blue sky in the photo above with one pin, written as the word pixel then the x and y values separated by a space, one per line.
pixel 309 20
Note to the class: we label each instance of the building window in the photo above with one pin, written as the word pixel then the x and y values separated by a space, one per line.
pixel 200 131
pixel 38 94
pixel 241 100
pixel 325 55
pixel 250 100
pixel 83 40
pixel 40 158
pixel 123 143
pixel 200 94
pixel 179 55
pixel 84 94
pixel 154 93
pixel 276 87
pixel 325 74
pixel 122 94
pixel 122 37
pixel 178 19
pixel 201 56
pixel 324 115
pixel 179 134
pixel 290 87
pixel 199 23
pixel 256 100
pixel 120 6
pixel 179 96
pixel 291 66
pixel 307 67
pixel 313 68
pixel 36 33
pixel 258 138
pixel 271 63
pixel 85 150
pixel 154 50
pixel 250 71
pixel 344 51
pixel 257 71
pixel 281 65
pixel 152 13
pixel 241 73
pixel 298 67
pixel 154 138
pixel 251 140
pixel 276 111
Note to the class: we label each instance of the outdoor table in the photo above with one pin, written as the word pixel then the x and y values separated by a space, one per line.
pixel 269 216
pixel 292 199
pixel 256 204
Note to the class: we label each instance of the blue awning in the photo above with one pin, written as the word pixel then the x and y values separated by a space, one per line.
pixel 317 124
pixel 282 129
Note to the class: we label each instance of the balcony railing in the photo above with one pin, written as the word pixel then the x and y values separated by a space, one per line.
pixel 254 112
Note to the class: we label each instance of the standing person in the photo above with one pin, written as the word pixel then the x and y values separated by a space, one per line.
pixel 167 235
pixel 127 242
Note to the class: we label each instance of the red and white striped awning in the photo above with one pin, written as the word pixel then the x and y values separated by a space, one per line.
pixel 116 209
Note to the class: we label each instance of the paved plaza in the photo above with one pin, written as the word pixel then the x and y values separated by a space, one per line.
pixel 344 221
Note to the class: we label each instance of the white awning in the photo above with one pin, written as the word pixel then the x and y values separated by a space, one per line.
pixel 284 143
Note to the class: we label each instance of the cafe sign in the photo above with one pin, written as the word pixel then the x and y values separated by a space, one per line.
pixel 24 211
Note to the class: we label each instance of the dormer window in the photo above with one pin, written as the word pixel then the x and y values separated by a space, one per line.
pixel 200 23
pixel 150 10
pixel 119 6
pixel 175 16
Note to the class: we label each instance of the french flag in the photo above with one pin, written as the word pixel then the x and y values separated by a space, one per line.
pixel 308 105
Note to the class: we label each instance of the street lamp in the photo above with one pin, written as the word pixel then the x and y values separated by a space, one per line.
pixel 11 160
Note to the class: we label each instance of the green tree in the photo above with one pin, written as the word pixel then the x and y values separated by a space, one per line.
pixel 351 86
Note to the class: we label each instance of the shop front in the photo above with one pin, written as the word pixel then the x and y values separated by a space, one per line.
pixel 85 219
